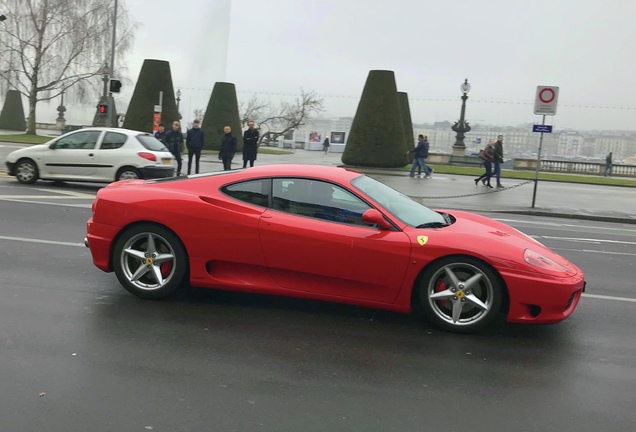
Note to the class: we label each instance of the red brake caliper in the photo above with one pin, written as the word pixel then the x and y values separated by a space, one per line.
pixel 166 268
pixel 439 287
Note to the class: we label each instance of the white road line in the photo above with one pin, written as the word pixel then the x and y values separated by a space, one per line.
pixel 587 240
pixel 10 197
pixel 602 297
pixel 51 203
pixel 594 251
pixel 28 240
pixel 567 225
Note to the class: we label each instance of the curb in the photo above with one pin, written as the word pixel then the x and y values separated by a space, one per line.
pixel 615 219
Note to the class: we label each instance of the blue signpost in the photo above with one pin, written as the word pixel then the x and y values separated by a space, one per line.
pixel 545 103
pixel 542 128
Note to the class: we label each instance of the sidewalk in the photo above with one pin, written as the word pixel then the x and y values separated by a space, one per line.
pixel 569 200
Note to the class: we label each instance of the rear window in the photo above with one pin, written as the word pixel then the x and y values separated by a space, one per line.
pixel 151 143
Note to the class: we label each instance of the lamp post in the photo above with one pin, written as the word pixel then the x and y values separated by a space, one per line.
pixel 105 75
pixel 61 121
pixel 461 127
pixel 178 100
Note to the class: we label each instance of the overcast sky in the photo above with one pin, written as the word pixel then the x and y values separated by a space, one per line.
pixel 504 47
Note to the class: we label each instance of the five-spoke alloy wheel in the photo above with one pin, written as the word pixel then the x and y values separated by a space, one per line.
pixel 149 261
pixel 460 294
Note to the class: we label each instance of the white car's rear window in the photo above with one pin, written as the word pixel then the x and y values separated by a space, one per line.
pixel 151 143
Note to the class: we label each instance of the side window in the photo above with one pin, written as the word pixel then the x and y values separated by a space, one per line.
pixel 254 191
pixel 113 140
pixel 318 199
pixel 85 140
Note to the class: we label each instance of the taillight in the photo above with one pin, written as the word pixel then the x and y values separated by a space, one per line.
pixel 149 156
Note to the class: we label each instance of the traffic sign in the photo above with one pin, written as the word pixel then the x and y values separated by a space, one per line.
pixel 542 128
pixel 545 102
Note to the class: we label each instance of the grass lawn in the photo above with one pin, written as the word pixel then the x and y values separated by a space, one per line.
pixel 25 138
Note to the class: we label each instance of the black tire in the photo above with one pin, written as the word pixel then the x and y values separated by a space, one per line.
pixel 169 263
pixel 127 173
pixel 26 171
pixel 451 281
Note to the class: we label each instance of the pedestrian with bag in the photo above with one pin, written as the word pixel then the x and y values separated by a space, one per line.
pixel 487 156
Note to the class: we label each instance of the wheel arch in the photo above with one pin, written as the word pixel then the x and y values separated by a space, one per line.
pixel 125 167
pixel 416 283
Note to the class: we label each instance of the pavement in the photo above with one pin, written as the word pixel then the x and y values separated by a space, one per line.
pixel 458 192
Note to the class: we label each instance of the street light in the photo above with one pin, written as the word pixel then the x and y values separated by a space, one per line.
pixel 461 127
pixel 2 18
pixel 178 100
pixel 105 75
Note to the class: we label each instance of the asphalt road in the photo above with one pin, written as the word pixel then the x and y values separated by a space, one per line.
pixel 78 353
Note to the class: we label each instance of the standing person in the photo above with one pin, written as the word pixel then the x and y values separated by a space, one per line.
pixel 498 159
pixel 487 156
pixel 174 142
pixel 228 148
pixel 161 133
pixel 608 165
pixel 250 144
pixel 419 157
pixel 325 145
pixel 195 140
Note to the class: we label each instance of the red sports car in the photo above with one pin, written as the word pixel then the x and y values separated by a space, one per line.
pixel 329 234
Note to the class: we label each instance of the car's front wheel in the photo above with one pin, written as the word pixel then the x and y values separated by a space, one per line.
pixel 460 294
pixel 26 171
pixel 150 261
pixel 127 173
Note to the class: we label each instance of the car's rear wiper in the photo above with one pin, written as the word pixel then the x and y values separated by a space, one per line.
pixel 432 225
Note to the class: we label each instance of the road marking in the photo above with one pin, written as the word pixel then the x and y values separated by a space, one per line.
pixel 602 297
pixel 567 225
pixel 588 240
pixel 11 146
pixel 10 197
pixel 28 240
pixel 594 251
pixel 50 203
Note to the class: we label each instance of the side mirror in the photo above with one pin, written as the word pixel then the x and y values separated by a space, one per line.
pixel 53 146
pixel 374 217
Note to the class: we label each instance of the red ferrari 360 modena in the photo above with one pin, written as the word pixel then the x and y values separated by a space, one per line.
pixel 329 234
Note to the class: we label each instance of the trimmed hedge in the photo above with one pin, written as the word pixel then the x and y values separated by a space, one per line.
pixel 222 111
pixel 407 124
pixel 377 134
pixel 12 116
pixel 154 77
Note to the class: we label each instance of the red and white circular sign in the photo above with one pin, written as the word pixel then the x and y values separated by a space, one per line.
pixel 546 95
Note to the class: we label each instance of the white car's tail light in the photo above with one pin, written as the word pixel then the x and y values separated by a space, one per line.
pixel 149 156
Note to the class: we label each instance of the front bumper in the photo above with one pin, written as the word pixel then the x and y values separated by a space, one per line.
pixel 99 239
pixel 538 300
pixel 11 168
pixel 159 171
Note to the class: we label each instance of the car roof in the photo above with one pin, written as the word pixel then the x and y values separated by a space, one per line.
pixel 337 174
pixel 113 129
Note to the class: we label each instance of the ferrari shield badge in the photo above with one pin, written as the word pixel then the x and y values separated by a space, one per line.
pixel 422 240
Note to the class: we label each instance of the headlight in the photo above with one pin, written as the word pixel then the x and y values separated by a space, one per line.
pixel 538 260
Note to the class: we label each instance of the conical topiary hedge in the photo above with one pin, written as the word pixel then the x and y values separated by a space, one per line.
pixel 377 134
pixel 12 116
pixel 222 111
pixel 154 77
pixel 407 124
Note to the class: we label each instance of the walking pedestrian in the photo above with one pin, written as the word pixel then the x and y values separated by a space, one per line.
pixel 608 165
pixel 228 148
pixel 195 140
pixel 325 145
pixel 487 156
pixel 174 142
pixel 250 144
pixel 498 159
pixel 420 153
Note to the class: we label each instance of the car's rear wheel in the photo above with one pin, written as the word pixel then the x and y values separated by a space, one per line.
pixel 460 294
pixel 127 173
pixel 26 171
pixel 150 261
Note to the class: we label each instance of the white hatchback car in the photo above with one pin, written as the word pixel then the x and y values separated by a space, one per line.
pixel 98 154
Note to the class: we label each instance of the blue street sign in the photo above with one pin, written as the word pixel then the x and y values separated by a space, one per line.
pixel 478 140
pixel 542 128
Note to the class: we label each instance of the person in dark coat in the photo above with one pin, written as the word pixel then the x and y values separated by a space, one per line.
pixel 325 145
pixel 161 133
pixel 498 159
pixel 608 165
pixel 487 156
pixel 174 142
pixel 250 144
pixel 195 141
pixel 228 148
pixel 419 158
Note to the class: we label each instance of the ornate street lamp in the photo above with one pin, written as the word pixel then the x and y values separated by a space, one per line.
pixel 105 76
pixel 178 100
pixel 61 121
pixel 461 127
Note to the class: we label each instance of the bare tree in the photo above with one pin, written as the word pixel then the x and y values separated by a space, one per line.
pixel 275 122
pixel 52 46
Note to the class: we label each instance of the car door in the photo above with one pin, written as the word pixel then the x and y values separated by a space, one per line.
pixel 73 155
pixel 110 155
pixel 314 239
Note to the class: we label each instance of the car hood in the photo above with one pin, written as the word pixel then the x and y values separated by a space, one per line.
pixel 488 239
pixel 27 151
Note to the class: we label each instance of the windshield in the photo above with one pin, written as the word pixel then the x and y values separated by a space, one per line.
pixel 399 205
pixel 151 143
